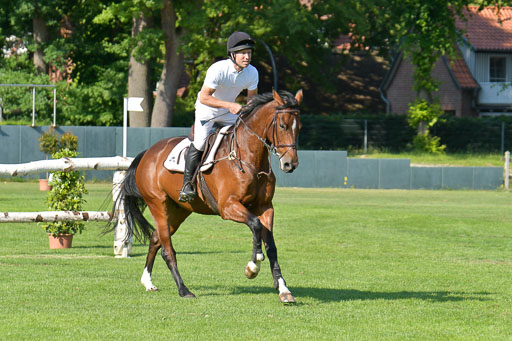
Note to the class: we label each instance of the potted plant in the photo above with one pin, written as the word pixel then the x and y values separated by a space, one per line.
pixel 66 194
pixel 48 144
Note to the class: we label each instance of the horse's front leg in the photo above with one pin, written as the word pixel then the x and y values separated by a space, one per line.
pixel 253 267
pixel 235 211
pixel 267 218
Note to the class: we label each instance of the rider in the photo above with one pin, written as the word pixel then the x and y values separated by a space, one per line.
pixel 215 103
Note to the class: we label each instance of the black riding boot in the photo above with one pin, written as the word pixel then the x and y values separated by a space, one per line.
pixel 192 159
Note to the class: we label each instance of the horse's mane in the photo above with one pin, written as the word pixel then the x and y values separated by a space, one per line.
pixel 259 100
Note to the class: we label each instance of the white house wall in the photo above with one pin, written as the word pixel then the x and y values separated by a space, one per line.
pixel 492 93
pixel 469 56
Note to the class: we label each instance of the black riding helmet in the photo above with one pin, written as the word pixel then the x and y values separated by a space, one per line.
pixel 239 41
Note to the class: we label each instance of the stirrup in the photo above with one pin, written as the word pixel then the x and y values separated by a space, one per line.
pixel 187 195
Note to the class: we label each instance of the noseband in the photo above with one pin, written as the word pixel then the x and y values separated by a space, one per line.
pixel 234 147
pixel 272 147
pixel 275 144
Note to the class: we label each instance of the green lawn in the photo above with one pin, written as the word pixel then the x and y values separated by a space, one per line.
pixel 362 264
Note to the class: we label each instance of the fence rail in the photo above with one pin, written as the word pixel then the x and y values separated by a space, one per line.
pixel 122 246
pixel 66 164
pixel 53 216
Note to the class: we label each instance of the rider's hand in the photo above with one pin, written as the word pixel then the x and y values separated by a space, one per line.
pixel 235 108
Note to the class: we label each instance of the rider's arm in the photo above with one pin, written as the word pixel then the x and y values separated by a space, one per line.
pixel 251 94
pixel 206 98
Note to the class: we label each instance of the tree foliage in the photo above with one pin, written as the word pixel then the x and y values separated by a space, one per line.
pixel 89 44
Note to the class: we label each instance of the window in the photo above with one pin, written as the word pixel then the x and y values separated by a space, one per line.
pixel 498 69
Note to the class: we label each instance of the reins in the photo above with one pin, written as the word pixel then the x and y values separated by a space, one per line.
pixel 272 147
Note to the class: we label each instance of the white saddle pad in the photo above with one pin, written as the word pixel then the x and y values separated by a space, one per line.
pixel 176 160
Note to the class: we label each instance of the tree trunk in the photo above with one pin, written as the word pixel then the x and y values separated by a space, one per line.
pixel 173 67
pixel 427 96
pixel 40 37
pixel 422 128
pixel 139 77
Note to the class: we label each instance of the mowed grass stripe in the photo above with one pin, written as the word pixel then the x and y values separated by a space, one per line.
pixel 362 264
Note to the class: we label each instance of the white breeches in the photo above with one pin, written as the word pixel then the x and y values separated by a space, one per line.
pixel 201 131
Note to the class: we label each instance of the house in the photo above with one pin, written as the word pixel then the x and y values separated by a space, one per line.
pixel 476 82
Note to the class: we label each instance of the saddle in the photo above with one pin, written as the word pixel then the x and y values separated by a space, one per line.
pixel 175 162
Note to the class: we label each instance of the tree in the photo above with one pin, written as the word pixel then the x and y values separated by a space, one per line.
pixel 172 69
pixel 120 48
pixel 423 30
pixel 139 75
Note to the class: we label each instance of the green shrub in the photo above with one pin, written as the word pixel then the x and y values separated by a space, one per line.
pixel 428 144
pixel 68 141
pixel 66 195
pixel 49 142
pixel 422 111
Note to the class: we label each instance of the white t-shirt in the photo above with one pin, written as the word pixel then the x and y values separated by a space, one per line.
pixel 228 84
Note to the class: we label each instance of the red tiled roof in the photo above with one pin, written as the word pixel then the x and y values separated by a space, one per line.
pixel 484 30
pixel 461 73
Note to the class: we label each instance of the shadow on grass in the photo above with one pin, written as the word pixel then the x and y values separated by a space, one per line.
pixel 339 295
pixel 333 295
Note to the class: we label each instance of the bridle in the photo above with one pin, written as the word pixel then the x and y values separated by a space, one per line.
pixel 275 144
pixel 272 147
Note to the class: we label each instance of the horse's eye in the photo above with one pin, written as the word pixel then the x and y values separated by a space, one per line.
pixel 282 126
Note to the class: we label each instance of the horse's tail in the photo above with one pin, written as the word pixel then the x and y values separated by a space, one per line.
pixel 133 204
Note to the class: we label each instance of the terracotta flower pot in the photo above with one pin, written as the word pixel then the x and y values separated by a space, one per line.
pixel 62 241
pixel 43 185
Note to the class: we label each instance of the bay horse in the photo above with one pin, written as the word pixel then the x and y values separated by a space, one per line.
pixel 239 187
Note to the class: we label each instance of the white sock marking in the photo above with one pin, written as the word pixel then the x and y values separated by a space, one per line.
pixel 260 257
pixel 282 287
pixel 146 281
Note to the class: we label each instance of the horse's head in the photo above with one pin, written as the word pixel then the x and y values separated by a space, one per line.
pixel 285 129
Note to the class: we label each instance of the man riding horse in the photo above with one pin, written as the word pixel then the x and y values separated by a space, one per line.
pixel 216 104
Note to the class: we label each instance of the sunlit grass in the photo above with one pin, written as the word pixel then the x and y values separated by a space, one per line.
pixel 362 264
pixel 460 159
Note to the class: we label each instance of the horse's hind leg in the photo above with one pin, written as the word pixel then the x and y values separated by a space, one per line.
pixel 168 218
pixel 154 246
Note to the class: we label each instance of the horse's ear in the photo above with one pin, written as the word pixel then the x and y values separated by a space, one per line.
pixel 298 96
pixel 277 98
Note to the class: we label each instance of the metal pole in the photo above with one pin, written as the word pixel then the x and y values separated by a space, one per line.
pixel 502 137
pixel 365 136
pixel 125 124
pixel 274 71
pixel 33 107
pixel 54 107
pixel 506 174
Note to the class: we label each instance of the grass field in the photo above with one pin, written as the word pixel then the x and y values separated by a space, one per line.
pixel 362 264
pixel 448 159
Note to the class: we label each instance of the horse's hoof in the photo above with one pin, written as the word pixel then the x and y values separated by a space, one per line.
pixel 187 295
pixel 249 273
pixel 152 289
pixel 286 298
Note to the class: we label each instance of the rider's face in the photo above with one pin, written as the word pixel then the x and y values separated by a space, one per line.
pixel 243 57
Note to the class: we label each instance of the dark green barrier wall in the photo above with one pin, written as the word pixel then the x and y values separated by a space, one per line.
pixel 19 144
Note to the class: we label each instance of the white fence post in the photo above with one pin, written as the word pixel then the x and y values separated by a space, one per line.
pixel 122 247
pixel 506 175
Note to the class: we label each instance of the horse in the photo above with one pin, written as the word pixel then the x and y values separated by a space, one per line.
pixel 239 187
